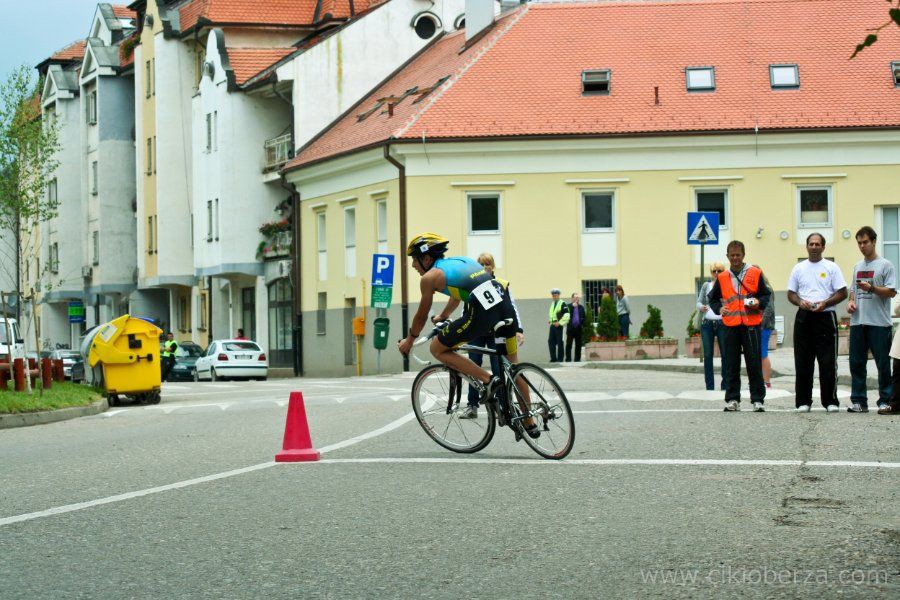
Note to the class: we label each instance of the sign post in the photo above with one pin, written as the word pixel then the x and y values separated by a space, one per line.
pixel 382 295
pixel 702 229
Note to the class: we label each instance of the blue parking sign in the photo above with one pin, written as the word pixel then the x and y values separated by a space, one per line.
pixel 703 228
pixel 383 269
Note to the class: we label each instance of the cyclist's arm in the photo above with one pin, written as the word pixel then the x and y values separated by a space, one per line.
pixel 421 317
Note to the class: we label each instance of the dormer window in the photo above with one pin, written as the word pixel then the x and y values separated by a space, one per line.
pixel 595 82
pixel 426 24
pixel 700 79
pixel 784 76
pixel 895 72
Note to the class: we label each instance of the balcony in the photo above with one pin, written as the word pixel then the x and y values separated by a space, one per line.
pixel 279 150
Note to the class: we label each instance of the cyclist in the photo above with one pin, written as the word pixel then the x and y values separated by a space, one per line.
pixel 486 303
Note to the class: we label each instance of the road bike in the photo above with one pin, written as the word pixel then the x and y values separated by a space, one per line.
pixel 437 393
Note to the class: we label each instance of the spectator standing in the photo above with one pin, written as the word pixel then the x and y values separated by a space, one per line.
pixel 816 286
pixel 486 260
pixel 873 284
pixel 711 329
pixel 240 335
pixel 893 406
pixel 558 317
pixel 623 310
pixel 768 327
pixel 740 295
pixel 170 346
pixel 575 328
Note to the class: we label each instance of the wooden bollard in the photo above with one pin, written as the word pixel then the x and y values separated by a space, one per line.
pixel 46 373
pixel 58 373
pixel 19 375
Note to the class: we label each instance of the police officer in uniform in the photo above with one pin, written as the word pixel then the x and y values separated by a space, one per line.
pixel 168 355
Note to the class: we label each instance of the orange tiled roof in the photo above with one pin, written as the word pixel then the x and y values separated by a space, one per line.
pixel 123 12
pixel 524 77
pixel 266 12
pixel 247 62
pixel 74 51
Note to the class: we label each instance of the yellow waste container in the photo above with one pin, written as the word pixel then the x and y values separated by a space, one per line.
pixel 127 348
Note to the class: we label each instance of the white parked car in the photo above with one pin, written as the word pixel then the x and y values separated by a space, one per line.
pixel 227 359
pixel 69 359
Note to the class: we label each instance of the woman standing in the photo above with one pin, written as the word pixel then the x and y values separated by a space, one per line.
pixel 711 329
pixel 768 326
pixel 623 309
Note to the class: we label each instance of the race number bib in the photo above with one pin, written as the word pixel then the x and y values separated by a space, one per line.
pixel 487 294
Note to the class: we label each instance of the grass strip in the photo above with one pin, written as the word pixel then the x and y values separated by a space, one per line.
pixel 61 395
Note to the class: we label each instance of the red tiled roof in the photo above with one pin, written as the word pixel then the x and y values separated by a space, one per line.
pixel 74 51
pixel 266 12
pixel 247 62
pixel 123 12
pixel 524 77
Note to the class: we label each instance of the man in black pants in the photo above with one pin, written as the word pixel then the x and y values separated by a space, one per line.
pixel 575 328
pixel 816 286
pixel 740 295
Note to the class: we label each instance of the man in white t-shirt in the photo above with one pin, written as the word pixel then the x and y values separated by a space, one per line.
pixel 816 286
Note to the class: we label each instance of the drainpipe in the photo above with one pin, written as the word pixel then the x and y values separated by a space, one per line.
pixel 404 295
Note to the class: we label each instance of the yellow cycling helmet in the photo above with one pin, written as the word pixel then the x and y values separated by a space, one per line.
pixel 427 243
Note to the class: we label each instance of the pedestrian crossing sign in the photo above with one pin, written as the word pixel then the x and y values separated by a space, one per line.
pixel 703 228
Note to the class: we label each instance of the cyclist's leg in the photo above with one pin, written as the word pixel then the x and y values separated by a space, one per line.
pixel 507 343
pixel 456 333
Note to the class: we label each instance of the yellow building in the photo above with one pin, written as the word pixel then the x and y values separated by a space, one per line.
pixel 576 168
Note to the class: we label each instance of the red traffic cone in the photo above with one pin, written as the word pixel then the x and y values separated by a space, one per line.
pixel 297 443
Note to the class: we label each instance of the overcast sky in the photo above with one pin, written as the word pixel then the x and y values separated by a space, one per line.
pixel 32 30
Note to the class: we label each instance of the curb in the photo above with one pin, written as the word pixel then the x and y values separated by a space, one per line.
pixel 845 380
pixel 8 421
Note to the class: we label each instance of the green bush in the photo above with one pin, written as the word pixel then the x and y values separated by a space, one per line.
pixel 653 326
pixel 608 321
pixel 588 332
pixel 692 328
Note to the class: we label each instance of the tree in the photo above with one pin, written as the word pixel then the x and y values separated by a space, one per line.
pixel 653 326
pixel 587 330
pixel 28 148
pixel 608 320
pixel 893 19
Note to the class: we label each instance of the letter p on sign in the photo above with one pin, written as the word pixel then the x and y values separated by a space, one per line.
pixel 383 269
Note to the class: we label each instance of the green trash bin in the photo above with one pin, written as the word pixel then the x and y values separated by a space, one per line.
pixel 382 327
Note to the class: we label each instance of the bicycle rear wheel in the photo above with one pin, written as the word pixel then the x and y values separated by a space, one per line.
pixel 548 407
pixel 438 399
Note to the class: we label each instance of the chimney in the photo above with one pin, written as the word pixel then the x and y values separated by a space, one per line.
pixel 479 16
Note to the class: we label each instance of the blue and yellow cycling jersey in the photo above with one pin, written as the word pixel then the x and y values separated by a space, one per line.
pixel 463 275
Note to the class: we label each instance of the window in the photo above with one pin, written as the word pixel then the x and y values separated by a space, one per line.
pixel 154 154
pixel 184 313
pixel 92 108
pixel 320 313
pixel 153 75
pixel 215 128
pixel 150 235
pixel 322 245
pixel 204 312
pixel 784 76
pixel 216 219
pixel 381 224
pixel 350 241
pixel 595 82
pixel 94 178
pixel 895 73
pixel 890 234
pixel 149 156
pixel 425 25
pixel 593 292
pixel 209 221
pixel 96 247
pixel 484 213
pixel 148 79
pixel 52 191
pixel 709 200
pixel 700 79
pixel 598 211
pixel 281 326
pixel 54 257
pixel 814 206
pixel 209 132
pixel 248 312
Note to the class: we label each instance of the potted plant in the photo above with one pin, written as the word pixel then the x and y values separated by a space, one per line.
pixel 693 346
pixel 277 238
pixel 605 344
pixel 652 343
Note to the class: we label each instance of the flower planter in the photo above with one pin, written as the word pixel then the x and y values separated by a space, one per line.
pixel 655 348
pixel 693 346
pixel 605 351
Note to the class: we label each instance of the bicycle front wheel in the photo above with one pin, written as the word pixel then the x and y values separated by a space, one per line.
pixel 438 399
pixel 547 405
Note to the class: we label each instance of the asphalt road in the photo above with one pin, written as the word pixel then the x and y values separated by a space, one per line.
pixel 663 496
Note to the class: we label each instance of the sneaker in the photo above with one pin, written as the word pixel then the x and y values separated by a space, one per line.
pixel 768 384
pixel 887 409
pixel 884 405
pixel 490 388
pixel 857 408
pixel 732 406
pixel 471 412
pixel 533 431
pixel 758 407
pixel 803 408
pixel 833 408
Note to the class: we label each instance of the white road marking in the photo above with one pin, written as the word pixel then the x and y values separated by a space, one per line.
pixel 587 396
pixel 681 410
pixel 395 398
pixel 206 478
pixel 644 396
pixel 111 413
pixel 616 461
pixel 222 386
